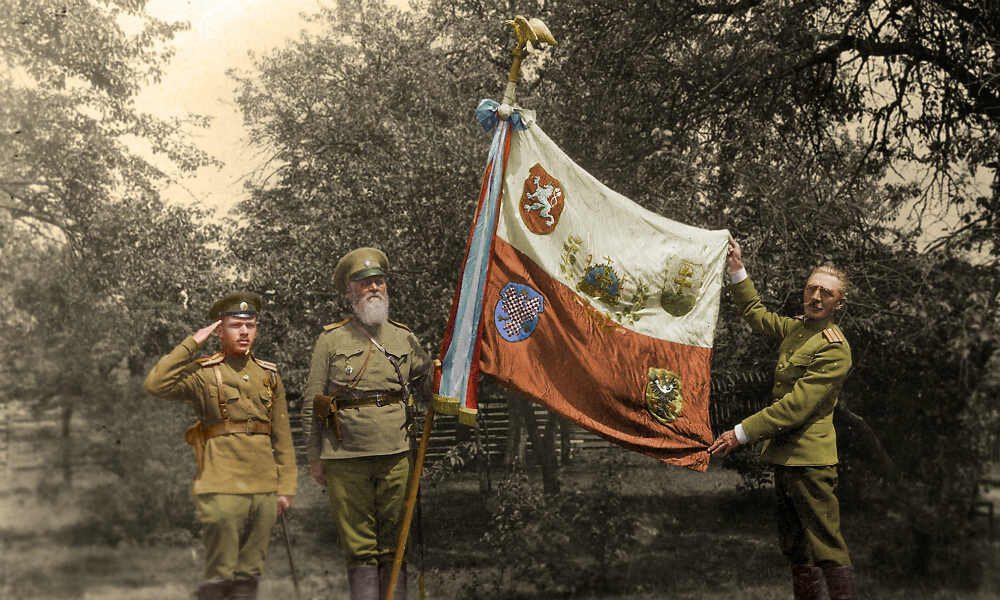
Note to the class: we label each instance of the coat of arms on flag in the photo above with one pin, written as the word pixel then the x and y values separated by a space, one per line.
pixel 601 310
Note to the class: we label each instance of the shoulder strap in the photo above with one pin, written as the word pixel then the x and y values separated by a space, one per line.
pixel 400 325
pixel 211 359
pixel 833 335
pixel 333 326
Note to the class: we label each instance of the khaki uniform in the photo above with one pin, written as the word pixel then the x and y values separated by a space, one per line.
pixel 364 443
pixel 814 360
pixel 241 473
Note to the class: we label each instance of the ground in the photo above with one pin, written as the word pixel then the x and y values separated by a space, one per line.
pixel 698 537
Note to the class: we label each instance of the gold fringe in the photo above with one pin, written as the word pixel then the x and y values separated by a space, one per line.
pixel 443 405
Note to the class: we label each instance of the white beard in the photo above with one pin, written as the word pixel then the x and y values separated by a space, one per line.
pixel 372 311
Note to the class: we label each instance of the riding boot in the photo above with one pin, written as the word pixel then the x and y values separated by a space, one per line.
pixel 218 589
pixel 363 581
pixel 807 582
pixel 384 573
pixel 840 582
pixel 244 588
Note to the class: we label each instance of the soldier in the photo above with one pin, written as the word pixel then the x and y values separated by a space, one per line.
pixel 242 442
pixel 814 359
pixel 355 421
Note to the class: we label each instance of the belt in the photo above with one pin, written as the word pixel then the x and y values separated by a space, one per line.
pixel 227 427
pixel 377 399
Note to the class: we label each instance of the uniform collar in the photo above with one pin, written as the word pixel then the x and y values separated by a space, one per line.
pixel 815 325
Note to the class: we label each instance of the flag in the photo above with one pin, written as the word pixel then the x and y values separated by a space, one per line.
pixel 582 300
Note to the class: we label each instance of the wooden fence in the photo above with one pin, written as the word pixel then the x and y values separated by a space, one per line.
pixel 734 395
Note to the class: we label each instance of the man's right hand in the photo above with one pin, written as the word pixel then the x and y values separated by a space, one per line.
pixel 316 470
pixel 734 256
pixel 202 334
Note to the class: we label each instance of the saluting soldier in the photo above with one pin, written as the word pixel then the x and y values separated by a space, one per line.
pixel 814 360
pixel 242 442
pixel 355 421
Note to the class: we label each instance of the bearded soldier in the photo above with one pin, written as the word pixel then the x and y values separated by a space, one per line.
pixel 814 360
pixel 242 442
pixel 355 421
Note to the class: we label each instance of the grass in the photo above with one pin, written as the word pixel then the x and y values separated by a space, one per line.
pixel 697 537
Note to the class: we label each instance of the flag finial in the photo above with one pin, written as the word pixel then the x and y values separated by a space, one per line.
pixel 527 31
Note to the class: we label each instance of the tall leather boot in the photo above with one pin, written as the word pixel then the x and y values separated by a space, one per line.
pixel 218 589
pixel 807 582
pixel 384 573
pixel 244 588
pixel 363 581
pixel 840 582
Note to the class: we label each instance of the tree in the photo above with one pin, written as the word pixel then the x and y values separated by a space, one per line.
pixel 95 249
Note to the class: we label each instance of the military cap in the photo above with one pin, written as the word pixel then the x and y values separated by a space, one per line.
pixel 358 264
pixel 237 304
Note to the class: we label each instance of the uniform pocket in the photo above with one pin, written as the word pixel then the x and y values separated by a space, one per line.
pixel 344 367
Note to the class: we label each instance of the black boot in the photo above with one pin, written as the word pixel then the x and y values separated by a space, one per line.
pixel 384 573
pixel 840 582
pixel 244 588
pixel 807 582
pixel 214 590
pixel 363 580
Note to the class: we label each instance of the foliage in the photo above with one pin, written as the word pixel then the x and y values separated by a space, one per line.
pixel 764 118
pixel 566 545
pixel 148 498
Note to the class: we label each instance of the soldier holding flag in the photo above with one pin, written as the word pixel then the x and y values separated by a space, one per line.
pixel 813 363
pixel 355 421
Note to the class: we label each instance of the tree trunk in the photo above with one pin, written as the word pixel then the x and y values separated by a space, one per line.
pixel 515 433
pixel 66 444
pixel 545 450
pixel 565 447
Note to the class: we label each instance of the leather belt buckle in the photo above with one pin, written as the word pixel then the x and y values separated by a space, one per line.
pixel 381 400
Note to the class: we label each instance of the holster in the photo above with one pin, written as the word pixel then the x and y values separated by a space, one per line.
pixel 325 407
pixel 195 436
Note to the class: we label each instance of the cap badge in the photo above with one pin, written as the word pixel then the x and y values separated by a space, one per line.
pixel 244 306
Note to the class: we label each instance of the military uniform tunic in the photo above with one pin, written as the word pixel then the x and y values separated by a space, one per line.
pixel 342 352
pixel 237 463
pixel 367 469
pixel 814 360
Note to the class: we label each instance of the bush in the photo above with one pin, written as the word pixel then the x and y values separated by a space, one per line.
pixel 142 446
pixel 560 545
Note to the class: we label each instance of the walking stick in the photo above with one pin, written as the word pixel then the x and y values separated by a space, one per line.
pixel 291 565
pixel 411 501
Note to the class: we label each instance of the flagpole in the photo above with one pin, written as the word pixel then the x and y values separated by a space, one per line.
pixel 527 31
pixel 411 501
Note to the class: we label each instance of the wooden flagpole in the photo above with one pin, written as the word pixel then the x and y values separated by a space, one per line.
pixel 411 501
pixel 527 31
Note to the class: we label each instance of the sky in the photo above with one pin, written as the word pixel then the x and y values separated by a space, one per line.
pixel 221 34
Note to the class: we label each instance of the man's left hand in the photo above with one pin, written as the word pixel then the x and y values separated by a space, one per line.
pixel 284 503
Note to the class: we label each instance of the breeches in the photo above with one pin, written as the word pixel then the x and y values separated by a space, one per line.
pixel 236 529
pixel 368 498
pixel 809 515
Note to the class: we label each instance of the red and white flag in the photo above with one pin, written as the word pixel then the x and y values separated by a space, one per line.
pixel 585 302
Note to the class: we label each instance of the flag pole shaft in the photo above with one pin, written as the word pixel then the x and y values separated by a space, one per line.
pixel 411 502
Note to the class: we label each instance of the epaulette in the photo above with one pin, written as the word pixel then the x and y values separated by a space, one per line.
pixel 833 335
pixel 400 325
pixel 211 359
pixel 270 366
pixel 333 326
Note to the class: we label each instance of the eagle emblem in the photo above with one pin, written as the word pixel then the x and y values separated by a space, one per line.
pixel 542 201
pixel 663 395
